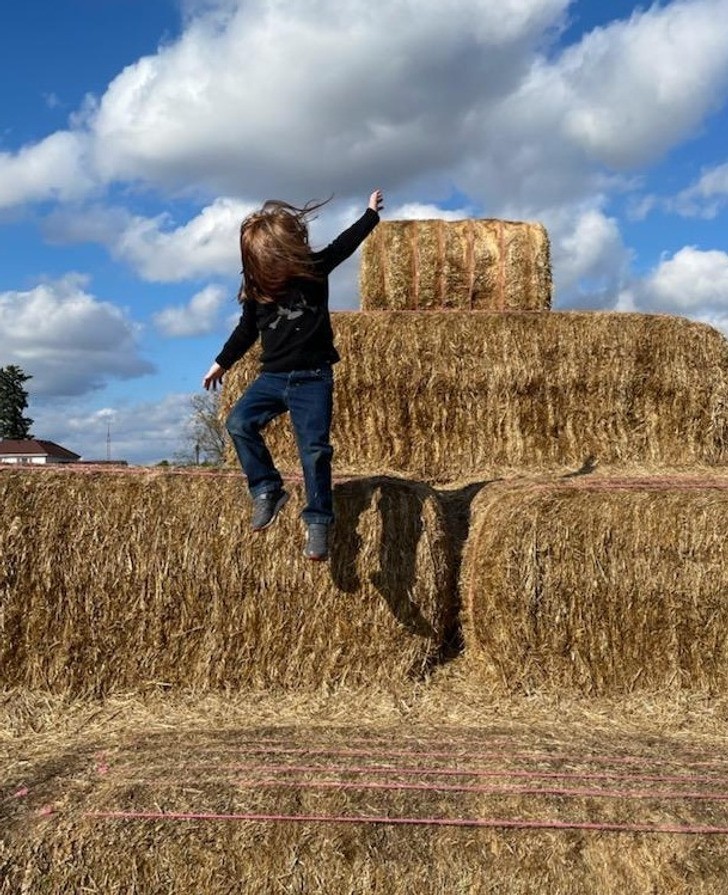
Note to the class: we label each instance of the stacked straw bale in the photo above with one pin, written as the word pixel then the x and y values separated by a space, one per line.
pixel 487 265
pixel 442 396
pixel 599 587
pixel 184 758
pixel 128 581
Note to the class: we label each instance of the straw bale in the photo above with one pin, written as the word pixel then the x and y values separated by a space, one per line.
pixel 598 587
pixel 114 581
pixel 198 755
pixel 464 265
pixel 443 396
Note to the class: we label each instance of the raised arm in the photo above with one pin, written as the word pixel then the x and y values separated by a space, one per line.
pixel 348 242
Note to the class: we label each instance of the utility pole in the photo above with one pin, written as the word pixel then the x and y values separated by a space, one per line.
pixel 108 441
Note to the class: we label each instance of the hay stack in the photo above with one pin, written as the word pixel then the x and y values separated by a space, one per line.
pixel 441 396
pixel 113 581
pixel 599 587
pixel 186 758
pixel 488 265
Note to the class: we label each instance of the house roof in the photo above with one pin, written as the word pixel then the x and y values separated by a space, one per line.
pixel 35 447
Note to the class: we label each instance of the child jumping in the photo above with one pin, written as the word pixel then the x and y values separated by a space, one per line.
pixel 285 299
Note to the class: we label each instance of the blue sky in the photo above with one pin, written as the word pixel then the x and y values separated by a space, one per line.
pixel 135 134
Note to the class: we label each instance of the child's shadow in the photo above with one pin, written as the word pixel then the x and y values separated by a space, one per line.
pixel 400 508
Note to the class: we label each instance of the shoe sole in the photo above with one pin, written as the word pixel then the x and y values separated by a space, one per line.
pixel 282 501
pixel 316 558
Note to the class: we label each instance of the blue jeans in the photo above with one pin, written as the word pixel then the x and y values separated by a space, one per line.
pixel 308 396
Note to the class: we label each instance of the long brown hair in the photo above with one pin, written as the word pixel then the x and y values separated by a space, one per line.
pixel 274 249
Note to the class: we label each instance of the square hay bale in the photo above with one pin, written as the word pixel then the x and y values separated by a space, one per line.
pixel 487 265
pixel 118 797
pixel 598 587
pixel 443 396
pixel 126 581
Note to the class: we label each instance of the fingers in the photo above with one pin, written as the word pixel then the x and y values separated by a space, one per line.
pixel 376 200
pixel 212 377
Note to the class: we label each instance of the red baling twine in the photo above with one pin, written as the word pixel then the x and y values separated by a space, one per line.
pixel 502 823
pixel 672 482
pixel 272 780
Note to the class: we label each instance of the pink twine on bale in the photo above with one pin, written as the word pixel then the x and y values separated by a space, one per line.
pixel 425 749
pixel 673 482
pixel 497 823
pixel 490 790
pixel 478 772
pixel 257 748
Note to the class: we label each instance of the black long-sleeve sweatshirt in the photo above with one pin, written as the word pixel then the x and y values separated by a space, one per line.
pixel 295 329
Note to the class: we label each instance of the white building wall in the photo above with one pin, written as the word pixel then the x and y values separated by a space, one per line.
pixel 16 460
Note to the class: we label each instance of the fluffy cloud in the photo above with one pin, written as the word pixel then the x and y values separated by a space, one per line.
pixel 199 317
pixel 55 168
pixel 68 340
pixel 423 211
pixel 691 282
pixel 208 244
pixel 636 87
pixel 589 259
pixel 267 98
pixel 706 197
pixel 156 249
pixel 613 102
pixel 145 432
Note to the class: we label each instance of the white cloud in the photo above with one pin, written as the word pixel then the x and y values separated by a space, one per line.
pixel 55 168
pixel 263 98
pixel 423 211
pixel 294 99
pixel 636 87
pixel 200 316
pixel 156 249
pixel 588 257
pixel 691 282
pixel 208 244
pixel 145 432
pixel 615 101
pixel 68 340
pixel 705 198
pixel 690 279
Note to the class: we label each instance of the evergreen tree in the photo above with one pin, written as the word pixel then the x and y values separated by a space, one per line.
pixel 13 401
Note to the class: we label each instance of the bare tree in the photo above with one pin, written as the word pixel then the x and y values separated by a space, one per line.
pixel 204 433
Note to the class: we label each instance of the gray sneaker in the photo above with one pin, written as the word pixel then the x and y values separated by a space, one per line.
pixel 317 541
pixel 266 507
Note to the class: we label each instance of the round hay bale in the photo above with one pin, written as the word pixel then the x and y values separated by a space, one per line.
pixel 113 581
pixel 443 396
pixel 598 587
pixel 488 265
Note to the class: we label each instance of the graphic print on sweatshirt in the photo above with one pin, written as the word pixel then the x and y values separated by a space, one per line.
pixel 292 310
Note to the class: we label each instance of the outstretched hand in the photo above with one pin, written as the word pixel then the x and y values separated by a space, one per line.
pixel 376 201
pixel 213 376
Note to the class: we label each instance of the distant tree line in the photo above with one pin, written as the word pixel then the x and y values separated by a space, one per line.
pixel 13 402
